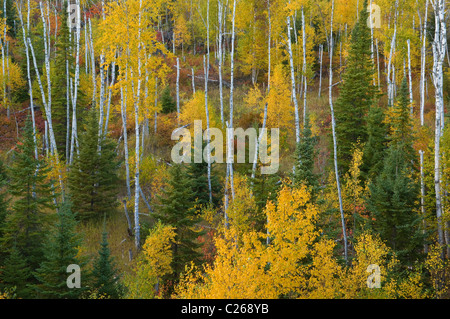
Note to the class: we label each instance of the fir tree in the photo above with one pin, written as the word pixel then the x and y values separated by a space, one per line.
pixel 60 251
pixel 198 175
pixel 64 62
pixel 168 104
pixel 376 144
pixel 32 198
pixel 93 176
pixel 105 274
pixel 357 92
pixel 394 204
pixel 400 123
pixel 176 209
pixel 16 273
pixel 3 199
pixel 304 161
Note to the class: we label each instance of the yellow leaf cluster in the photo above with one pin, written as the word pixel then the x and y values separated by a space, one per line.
pixel 154 262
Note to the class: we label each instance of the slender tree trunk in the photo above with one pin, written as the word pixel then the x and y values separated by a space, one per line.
pixel 230 124
pixel 333 127
pixel 390 82
pixel 304 67
pixel 320 72
pixel 294 95
pixel 422 106
pixel 258 140
pixel 206 71
pixel 220 9
pixel 410 77
pixel 30 86
pixel 439 50
pixel 178 90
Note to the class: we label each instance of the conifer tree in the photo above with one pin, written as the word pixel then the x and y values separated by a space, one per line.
pixel 198 176
pixel 59 84
pixel 3 199
pixel 32 198
pixel 357 92
pixel 64 63
pixel 375 147
pixel 304 161
pixel 394 204
pixel 176 209
pixel 105 274
pixel 168 104
pixel 60 251
pixel 93 177
pixel 16 273
pixel 400 123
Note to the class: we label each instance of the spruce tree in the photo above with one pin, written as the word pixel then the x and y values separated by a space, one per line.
pixel 105 274
pixel 176 209
pixel 198 176
pixel 168 104
pixel 32 199
pixel 3 198
pixel 60 251
pixel 357 92
pixel 16 273
pixel 394 203
pixel 304 161
pixel 376 144
pixel 59 84
pixel 401 128
pixel 93 176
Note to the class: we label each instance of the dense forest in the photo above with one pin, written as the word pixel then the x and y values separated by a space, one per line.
pixel 196 149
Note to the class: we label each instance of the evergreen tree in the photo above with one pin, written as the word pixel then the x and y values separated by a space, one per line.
pixel 15 273
pixel 176 209
pixel 105 273
pixel 357 92
pixel 400 123
pixel 168 104
pixel 60 251
pixel 64 62
pixel 394 204
pixel 32 198
pixel 93 176
pixel 304 161
pixel 3 199
pixel 376 144
pixel 59 84
pixel 198 175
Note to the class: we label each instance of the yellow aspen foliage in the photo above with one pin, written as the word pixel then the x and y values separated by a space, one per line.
pixel 182 34
pixel 291 225
pixel 154 262
pixel 241 211
pixel 370 250
pixel 13 77
pixel 238 271
pixel 254 100
pixel 279 110
pixel 437 268
pixel 57 171
pixel 194 110
pixel 353 193
pixel 324 273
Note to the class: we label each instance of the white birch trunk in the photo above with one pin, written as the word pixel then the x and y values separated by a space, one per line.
pixel 333 127
pixel 206 71
pixel 230 124
pixel 304 67
pixel 439 50
pixel 410 77
pixel 30 86
pixel 292 73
